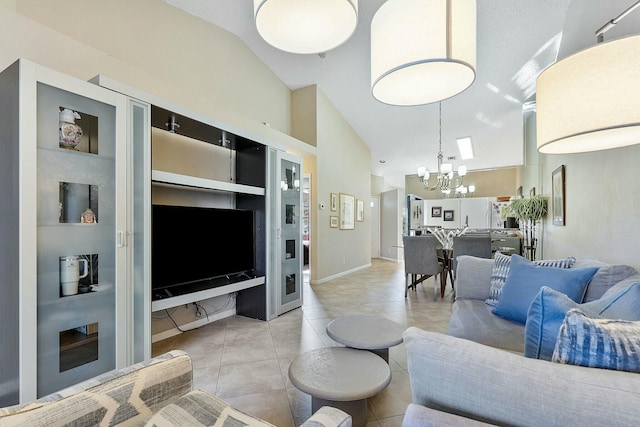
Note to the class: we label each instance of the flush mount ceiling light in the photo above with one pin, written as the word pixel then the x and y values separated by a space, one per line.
pixel 422 51
pixel 305 26
pixel 589 101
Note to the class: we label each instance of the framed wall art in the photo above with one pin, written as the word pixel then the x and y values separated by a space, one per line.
pixel 333 203
pixel 347 211
pixel 333 221
pixel 360 210
pixel 448 216
pixel 557 196
pixel 436 211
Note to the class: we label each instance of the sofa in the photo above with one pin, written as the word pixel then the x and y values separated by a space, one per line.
pixel 157 392
pixel 478 374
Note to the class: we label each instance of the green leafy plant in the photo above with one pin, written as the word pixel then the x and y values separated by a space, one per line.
pixel 532 209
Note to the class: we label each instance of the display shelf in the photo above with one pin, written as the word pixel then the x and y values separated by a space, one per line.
pixel 187 298
pixel 171 178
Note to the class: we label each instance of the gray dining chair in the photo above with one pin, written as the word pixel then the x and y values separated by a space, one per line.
pixel 421 262
pixel 478 245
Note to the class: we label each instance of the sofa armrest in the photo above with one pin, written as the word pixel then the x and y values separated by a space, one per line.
pixel 328 416
pixel 109 399
pixel 495 386
pixel 473 277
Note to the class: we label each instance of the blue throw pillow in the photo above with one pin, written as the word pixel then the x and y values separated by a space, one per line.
pixel 598 343
pixel 549 308
pixel 525 280
pixel 501 264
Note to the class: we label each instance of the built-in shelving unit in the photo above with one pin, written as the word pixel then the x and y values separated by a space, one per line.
pixel 179 180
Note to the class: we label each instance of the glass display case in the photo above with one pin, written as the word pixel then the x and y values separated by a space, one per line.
pixel 69 200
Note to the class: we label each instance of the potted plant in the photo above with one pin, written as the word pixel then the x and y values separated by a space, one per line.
pixel 529 212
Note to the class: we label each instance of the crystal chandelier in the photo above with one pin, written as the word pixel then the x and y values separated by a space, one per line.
pixel 446 179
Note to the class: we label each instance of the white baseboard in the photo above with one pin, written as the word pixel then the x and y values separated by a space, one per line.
pixel 341 274
pixel 192 325
pixel 390 259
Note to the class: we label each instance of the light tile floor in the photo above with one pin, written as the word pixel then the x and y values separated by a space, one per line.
pixel 245 361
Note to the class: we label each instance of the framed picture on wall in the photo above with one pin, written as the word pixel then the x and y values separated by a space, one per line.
pixel 557 196
pixel 360 210
pixel 448 216
pixel 436 211
pixel 333 203
pixel 333 221
pixel 347 211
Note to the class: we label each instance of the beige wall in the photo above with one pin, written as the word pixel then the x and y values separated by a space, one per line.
pixel 342 166
pixel 602 206
pixel 191 62
pixel 494 183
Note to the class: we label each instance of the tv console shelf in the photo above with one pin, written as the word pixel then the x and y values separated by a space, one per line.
pixel 158 176
pixel 188 298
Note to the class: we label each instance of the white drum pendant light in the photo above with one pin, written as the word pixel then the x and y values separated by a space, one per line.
pixel 590 101
pixel 422 51
pixel 306 26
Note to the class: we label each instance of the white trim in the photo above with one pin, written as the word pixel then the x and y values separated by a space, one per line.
pixel 391 259
pixel 342 274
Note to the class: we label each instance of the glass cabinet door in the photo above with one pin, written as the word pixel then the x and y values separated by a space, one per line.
pixel 290 218
pixel 79 177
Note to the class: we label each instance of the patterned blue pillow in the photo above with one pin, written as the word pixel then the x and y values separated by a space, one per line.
pixel 598 343
pixel 549 308
pixel 501 264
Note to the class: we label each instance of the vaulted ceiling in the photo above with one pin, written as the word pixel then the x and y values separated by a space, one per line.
pixel 516 40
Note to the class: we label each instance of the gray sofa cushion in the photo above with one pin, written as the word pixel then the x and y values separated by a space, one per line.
pixel 605 278
pixel 499 387
pixel 421 416
pixel 487 328
pixel 473 276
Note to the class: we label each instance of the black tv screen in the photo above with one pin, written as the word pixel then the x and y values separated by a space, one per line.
pixel 192 244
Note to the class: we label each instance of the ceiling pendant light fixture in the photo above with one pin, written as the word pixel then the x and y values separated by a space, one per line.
pixel 589 101
pixel 446 179
pixel 305 26
pixel 422 51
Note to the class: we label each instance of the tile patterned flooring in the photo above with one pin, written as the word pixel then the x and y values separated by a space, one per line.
pixel 245 361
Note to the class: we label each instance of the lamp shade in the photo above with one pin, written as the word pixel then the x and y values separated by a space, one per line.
pixel 590 101
pixel 305 26
pixel 422 51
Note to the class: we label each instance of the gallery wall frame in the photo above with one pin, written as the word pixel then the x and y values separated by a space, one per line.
pixel 347 210
pixel 333 221
pixel 436 211
pixel 333 203
pixel 448 216
pixel 360 210
pixel 558 195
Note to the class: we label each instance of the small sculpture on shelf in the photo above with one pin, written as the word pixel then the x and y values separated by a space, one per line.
pixel 88 217
pixel 70 133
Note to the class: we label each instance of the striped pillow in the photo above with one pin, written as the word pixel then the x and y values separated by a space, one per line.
pixel 501 264
pixel 598 343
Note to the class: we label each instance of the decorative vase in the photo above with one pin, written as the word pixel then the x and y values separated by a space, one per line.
pixel 70 132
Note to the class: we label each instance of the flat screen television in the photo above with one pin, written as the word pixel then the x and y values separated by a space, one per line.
pixel 194 248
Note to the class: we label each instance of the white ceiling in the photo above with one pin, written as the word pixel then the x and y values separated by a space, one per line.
pixel 516 39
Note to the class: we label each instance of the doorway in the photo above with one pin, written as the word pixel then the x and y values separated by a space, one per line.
pixel 375 226
pixel 306 226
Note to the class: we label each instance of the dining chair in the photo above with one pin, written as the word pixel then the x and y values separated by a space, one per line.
pixel 478 245
pixel 421 262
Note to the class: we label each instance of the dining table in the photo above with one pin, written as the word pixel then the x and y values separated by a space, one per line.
pixel 445 252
